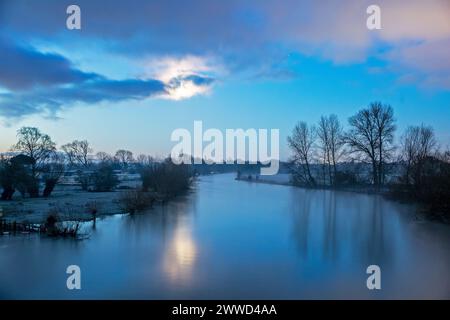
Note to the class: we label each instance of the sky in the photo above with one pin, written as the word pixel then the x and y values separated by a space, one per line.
pixel 137 70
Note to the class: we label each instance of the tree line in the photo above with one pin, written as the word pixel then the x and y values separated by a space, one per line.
pixel 37 163
pixel 416 165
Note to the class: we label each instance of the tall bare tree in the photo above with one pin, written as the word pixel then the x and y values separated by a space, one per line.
pixel 323 134
pixel 39 147
pixel 329 133
pixel 383 117
pixel 52 172
pixel 78 154
pixel 103 157
pixel 143 159
pixel 336 142
pixel 35 144
pixel 124 157
pixel 301 143
pixel 417 144
pixel 371 134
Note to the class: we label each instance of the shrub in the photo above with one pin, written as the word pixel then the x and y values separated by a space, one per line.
pixel 83 179
pixel 61 221
pixel 166 178
pixel 431 189
pixel 346 178
pixel 104 179
pixel 135 200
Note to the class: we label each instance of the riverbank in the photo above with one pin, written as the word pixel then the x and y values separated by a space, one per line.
pixel 285 180
pixel 69 202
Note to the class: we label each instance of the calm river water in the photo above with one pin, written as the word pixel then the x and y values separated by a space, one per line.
pixel 231 239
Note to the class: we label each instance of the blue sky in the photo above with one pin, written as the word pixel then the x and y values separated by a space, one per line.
pixel 137 70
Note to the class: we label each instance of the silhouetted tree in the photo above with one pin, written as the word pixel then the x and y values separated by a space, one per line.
pixel 52 172
pixel 15 173
pixel 417 144
pixel 143 159
pixel 301 143
pixel 166 178
pixel 336 142
pixel 323 134
pixel 78 154
pixel 103 157
pixel 383 116
pixel 371 135
pixel 7 179
pixel 124 157
pixel 39 147
pixel 103 178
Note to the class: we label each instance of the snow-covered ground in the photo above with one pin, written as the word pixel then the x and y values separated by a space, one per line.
pixel 68 200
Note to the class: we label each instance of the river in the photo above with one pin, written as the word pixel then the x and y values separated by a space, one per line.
pixel 238 240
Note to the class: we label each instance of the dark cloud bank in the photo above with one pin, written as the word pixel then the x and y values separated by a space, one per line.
pixel 38 82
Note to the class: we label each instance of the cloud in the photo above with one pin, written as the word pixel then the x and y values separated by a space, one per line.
pixel 185 76
pixel 45 83
pixel 111 90
pixel 195 26
pixel 184 87
pixel 416 19
pixel 425 63
pixel 24 68
pixel 51 100
pixel 247 35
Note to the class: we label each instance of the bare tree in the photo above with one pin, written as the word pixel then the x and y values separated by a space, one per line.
pixel 78 152
pixel 417 144
pixel 14 174
pixel 301 143
pixel 409 145
pixel 124 157
pixel 336 142
pixel 329 133
pixel 103 157
pixel 143 159
pixel 383 117
pixel 362 138
pixel 39 147
pixel 323 134
pixel 52 172
pixel 371 135
pixel 35 144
